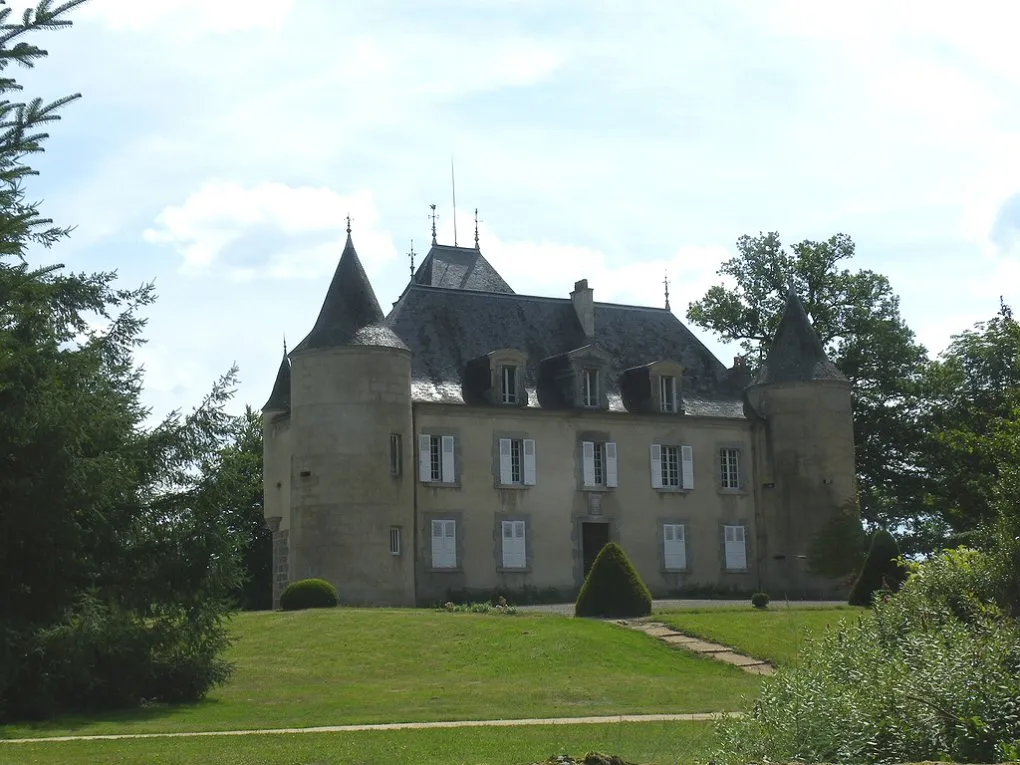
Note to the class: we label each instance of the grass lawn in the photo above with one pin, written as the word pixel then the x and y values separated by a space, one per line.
pixel 339 666
pixel 774 634
pixel 659 742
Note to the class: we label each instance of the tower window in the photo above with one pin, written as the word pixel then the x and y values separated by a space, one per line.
pixel 590 388
pixel 395 454
pixel 394 540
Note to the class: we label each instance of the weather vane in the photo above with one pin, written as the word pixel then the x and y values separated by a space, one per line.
pixel 433 215
pixel 665 282
pixel 348 224
pixel 411 254
pixel 476 228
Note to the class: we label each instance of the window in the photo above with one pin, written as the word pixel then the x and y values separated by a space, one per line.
pixel 729 468
pixel 514 554
pixel 672 467
pixel 590 387
pixel 395 453
pixel 674 546
pixel 667 394
pixel 599 463
pixel 444 544
pixel 508 384
pixel 735 548
pixel 394 540
pixel 436 459
pixel 517 461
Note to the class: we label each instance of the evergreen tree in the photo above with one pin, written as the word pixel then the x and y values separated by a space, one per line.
pixel 613 587
pixel 116 565
pixel 882 570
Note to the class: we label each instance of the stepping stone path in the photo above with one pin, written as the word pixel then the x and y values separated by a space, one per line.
pixel 722 653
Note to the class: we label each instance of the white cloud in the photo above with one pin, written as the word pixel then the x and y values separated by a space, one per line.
pixel 189 15
pixel 268 230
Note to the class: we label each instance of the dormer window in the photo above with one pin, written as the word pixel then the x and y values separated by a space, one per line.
pixel 590 387
pixel 667 394
pixel 508 384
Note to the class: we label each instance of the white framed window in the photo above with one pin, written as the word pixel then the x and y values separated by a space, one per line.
pixel 514 549
pixel 735 548
pixel 395 454
pixel 394 540
pixel 590 387
pixel 517 461
pixel 508 383
pixel 667 394
pixel 599 466
pixel 729 468
pixel 674 546
pixel 436 459
pixel 672 466
pixel 444 544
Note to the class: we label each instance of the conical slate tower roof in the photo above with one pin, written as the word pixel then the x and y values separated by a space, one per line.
pixel 280 397
pixel 350 314
pixel 796 354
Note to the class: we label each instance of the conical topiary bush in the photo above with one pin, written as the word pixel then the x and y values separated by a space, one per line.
pixel 613 587
pixel 882 569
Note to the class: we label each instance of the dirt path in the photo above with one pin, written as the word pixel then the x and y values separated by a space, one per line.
pixel 607 719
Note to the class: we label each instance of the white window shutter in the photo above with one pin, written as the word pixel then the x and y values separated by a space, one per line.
pixel 530 468
pixel 505 464
pixel 687 460
pixel 425 458
pixel 736 548
pixel 674 552
pixel 588 462
pixel 513 545
pixel 448 476
pixel 612 477
pixel 444 544
pixel 656 466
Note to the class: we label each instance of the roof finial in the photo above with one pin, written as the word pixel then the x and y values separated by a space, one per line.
pixel 453 183
pixel 434 215
pixel 476 229
pixel 411 254
pixel 348 224
pixel 665 282
pixel 284 344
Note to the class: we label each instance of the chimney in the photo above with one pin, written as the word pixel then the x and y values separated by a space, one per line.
pixel 583 298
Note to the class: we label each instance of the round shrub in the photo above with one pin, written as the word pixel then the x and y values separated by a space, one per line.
pixel 309 593
pixel 613 587
pixel 882 570
pixel 760 600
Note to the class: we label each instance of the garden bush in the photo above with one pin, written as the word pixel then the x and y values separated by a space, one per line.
pixel 932 673
pixel 760 600
pixel 309 593
pixel 613 587
pixel 882 570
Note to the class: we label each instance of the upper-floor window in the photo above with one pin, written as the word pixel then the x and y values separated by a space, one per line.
pixel 590 387
pixel 672 466
pixel 395 454
pixel 508 384
pixel 667 394
pixel 517 461
pixel 729 468
pixel 599 463
pixel 436 459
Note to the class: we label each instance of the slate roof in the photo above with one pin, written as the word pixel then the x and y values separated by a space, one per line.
pixel 280 397
pixel 446 328
pixel 796 354
pixel 461 268
pixel 350 313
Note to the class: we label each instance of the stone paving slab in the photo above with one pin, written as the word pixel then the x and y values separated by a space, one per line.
pixel 678 639
pixel 737 659
pixel 713 650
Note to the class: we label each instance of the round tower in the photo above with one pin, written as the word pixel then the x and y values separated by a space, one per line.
pixel 803 430
pixel 351 509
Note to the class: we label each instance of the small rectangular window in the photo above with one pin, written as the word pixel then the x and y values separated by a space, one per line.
pixel 508 384
pixel 729 468
pixel 667 393
pixel 436 458
pixel 394 540
pixel 599 464
pixel 671 466
pixel 516 475
pixel 395 454
pixel 590 387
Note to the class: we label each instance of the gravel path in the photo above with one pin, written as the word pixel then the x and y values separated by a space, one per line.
pixel 567 609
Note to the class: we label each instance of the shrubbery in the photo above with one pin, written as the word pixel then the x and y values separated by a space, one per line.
pixel 932 674
pixel 309 593
pixel 760 600
pixel 882 570
pixel 613 587
pixel 481 607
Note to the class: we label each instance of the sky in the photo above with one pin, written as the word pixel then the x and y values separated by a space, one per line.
pixel 218 147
